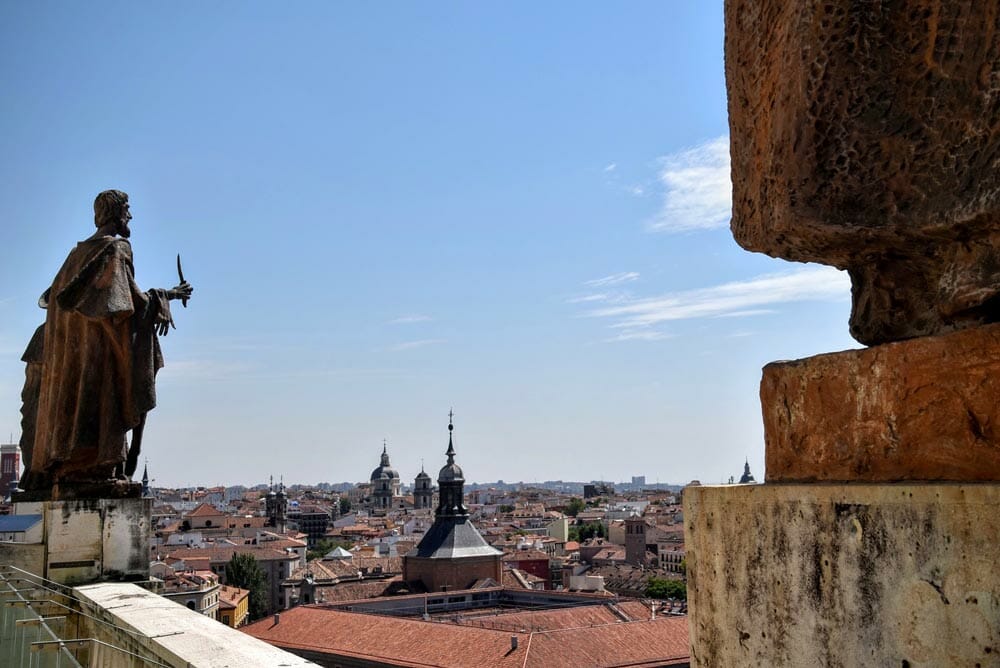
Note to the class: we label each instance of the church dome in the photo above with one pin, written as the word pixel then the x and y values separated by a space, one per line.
pixel 384 471
pixel 423 475
pixel 451 470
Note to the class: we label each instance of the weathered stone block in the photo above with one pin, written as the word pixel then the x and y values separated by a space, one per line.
pixel 863 136
pixel 88 540
pixel 923 409
pixel 843 575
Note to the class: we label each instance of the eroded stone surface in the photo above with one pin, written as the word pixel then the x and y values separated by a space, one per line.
pixel 843 575
pixel 864 136
pixel 924 409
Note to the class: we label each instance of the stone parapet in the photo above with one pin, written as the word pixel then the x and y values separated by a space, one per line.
pixel 843 575
pixel 922 409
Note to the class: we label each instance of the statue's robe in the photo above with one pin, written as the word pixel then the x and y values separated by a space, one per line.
pixel 32 359
pixel 99 362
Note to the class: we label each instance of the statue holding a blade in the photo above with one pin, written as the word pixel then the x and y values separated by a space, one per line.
pixel 92 366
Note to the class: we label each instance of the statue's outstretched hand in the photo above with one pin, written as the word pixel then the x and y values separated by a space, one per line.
pixel 182 291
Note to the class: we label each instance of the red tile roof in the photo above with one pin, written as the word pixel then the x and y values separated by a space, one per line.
pixel 416 643
pixel 205 510
pixel 230 597
pixel 221 554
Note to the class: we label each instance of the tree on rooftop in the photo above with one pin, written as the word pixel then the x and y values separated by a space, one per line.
pixel 244 572
pixel 586 531
pixel 663 588
pixel 324 546
pixel 574 506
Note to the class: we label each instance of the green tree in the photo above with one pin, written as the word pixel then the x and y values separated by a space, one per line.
pixel 345 505
pixel 663 588
pixel 325 545
pixel 574 506
pixel 585 531
pixel 244 572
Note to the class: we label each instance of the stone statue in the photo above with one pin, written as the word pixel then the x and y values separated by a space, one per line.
pixel 91 374
pixel 864 136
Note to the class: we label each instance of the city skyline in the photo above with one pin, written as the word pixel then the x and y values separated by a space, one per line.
pixel 520 212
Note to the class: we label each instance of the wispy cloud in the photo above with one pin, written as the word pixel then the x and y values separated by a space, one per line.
pixel 408 319
pixel 410 345
pixel 639 335
pixel 613 279
pixel 738 298
pixel 610 167
pixel 599 297
pixel 697 192
pixel 747 313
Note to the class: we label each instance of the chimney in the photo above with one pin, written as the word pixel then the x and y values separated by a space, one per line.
pixel 513 643
pixel 277 618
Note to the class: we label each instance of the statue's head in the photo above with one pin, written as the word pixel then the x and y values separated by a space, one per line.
pixel 111 208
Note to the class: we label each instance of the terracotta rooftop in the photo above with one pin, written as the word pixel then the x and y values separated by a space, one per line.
pixel 353 591
pixel 230 597
pixel 334 569
pixel 414 644
pixel 525 555
pixel 205 510
pixel 567 618
pixel 219 554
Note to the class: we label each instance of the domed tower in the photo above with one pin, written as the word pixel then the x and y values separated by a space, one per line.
pixel 276 506
pixel 271 503
pixel 423 493
pixel 385 483
pixel 451 483
pixel 747 477
pixel 280 507
pixel 452 554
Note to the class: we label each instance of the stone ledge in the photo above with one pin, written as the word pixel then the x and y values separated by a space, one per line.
pixel 922 409
pixel 843 575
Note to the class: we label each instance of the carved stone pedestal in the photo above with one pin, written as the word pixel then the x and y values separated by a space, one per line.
pixel 922 409
pixel 843 574
pixel 86 540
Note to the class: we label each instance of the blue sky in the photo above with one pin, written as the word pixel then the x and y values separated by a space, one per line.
pixel 518 210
